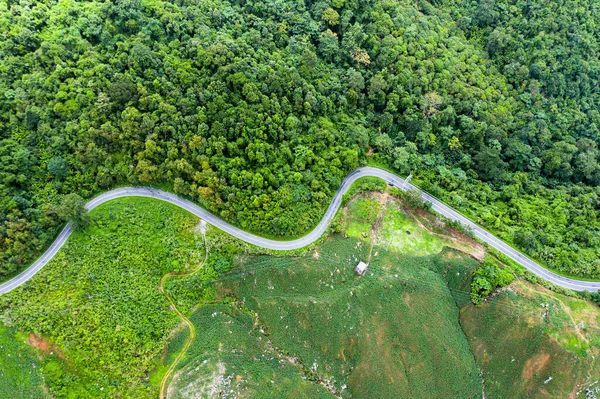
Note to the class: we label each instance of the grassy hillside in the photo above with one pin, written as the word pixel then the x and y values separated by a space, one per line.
pixel 232 358
pixel 391 333
pixel 98 302
pixel 287 326
pixel 533 343
pixel 406 329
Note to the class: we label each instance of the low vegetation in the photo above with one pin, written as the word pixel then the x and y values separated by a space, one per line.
pixel 363 185
pixel 20 369
pixel 533 343
pixel 338 329
pixel 232 358
pixel 314 310
pixel 98 301
pixel 96 324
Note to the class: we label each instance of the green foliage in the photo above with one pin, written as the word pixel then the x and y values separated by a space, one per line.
pixel 20 375
pixel 228 345
pixel 363 185
pixel 411 198
pixel 488 277
pixel 98 307
pixel 521 340
pixel 72 210
pixel 98 301
pixel 59 168
pixel 596 297
pixel 352 330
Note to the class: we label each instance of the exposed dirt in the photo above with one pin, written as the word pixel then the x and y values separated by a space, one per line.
pixel 527 288
pixel 184 320
pixel 535 364
pixel 213 384
pixel 406 297
pixel 44 345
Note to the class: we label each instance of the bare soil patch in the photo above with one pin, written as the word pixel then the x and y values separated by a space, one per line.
pixel 39 343
pixel 535 364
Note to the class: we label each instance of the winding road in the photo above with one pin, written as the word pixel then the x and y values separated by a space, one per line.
pixel 390 178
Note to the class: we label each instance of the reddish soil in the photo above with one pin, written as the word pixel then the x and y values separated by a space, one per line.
pixel 534 364
pixel 44 345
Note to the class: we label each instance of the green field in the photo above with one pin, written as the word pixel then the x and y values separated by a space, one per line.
pixel 525 336
pixel 364 337
pixel 388 334
pixel 406 329
pixel 231 357
pixel 286 326
pixel 98 299
pixel 20 375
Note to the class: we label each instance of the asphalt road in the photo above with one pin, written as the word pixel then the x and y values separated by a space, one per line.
pixel 310 237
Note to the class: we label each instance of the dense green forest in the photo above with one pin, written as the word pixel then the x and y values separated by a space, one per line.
pixel 258 109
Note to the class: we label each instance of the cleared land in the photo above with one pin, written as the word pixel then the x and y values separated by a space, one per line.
pixel 98 299
pixel 388 334
pixel 534 343
pixel 288 326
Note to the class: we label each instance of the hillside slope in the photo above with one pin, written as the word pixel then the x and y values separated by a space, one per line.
pixel 257 112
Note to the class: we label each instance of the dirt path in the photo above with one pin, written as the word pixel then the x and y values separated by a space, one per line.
pixel 165 381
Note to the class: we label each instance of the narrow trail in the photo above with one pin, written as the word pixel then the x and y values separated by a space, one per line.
pixel 165 381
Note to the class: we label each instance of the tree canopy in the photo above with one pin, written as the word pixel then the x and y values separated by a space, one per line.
pixel 257 111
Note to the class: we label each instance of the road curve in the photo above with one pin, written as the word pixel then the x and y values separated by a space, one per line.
pixel 388 177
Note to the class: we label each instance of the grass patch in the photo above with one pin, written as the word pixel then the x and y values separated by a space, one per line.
pixel 230 358
pixel 364 213
pixel 401 233
pixel 98 299
pixel 389 334
pixel 523 336
pixel 20 375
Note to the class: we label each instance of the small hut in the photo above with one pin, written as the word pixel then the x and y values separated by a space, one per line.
pixel 361 268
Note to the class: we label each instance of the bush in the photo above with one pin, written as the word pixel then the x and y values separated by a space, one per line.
pixel 487 278
pixel 596 297
pixel 411 198
pixel 366 184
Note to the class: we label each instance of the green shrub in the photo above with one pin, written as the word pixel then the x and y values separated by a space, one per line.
pixel 596 297
pixel 487 278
